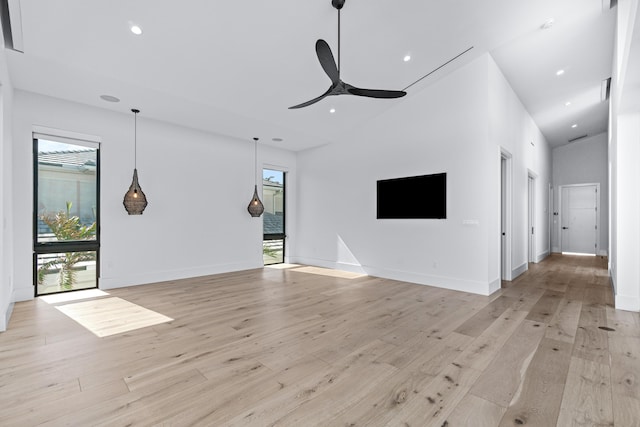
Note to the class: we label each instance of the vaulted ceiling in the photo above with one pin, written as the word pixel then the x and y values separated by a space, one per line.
pixel 235 67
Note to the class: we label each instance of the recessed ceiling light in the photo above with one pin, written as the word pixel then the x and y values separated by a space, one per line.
pixel 575 125
pixel 566 104
pixel 109 98
pixel 276 139
pixel 333 110
pixel 136 29
pixel 559 72
pixel 547 24
pixel 407 58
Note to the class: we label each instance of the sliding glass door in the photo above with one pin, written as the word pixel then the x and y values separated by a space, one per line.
pixel 66 215
pixel 273 195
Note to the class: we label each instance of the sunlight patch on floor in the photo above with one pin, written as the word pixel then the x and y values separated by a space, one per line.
pixel 110 316
pixel 329 272
pixel 282 266
pixel 73 296
pixel 577 254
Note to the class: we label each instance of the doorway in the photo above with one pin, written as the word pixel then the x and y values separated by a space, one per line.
pixel 66 214
pixel 531 195
pixel 550 219
pixel 579 206
pixel 273 222
pixel 505 216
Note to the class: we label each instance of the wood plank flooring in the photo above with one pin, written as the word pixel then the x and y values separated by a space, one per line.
pixel 298 347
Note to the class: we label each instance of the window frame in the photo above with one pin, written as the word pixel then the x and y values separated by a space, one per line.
pixel 40 248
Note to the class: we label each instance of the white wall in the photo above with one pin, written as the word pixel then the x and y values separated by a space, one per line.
pixel 6 231
pixel 445 127
pixel 613 190
pixel 198 186
pixel 583 162
pixel 628 212
pixel 458 126
pixel 512 130
pixel 624 154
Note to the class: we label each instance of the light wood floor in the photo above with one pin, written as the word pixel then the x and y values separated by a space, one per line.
pixel 296 348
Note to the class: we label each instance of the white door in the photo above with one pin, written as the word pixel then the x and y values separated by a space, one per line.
pixel 579 217
pixel 531 222
pixel 503 218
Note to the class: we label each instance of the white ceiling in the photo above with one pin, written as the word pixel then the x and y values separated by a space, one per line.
pixel 234 67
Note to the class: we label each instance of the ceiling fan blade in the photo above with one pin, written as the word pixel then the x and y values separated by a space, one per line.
pixel 327 61
pixel 377 93
pixel 313 101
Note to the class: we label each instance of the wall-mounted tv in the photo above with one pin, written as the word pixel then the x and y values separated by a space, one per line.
pixel 413 197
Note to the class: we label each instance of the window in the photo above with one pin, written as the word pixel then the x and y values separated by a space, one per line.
pixel 273 198
pixel 66 238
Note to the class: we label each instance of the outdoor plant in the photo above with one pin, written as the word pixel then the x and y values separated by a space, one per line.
pixel 66 227
pixel 269 251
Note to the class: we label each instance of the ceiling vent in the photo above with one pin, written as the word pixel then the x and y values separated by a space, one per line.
pixel 605 89
pixel 11 24
pixel 578 138
pixel 6 24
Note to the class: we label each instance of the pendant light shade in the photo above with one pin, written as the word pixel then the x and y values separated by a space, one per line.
pixel 134 200
pixel 255 208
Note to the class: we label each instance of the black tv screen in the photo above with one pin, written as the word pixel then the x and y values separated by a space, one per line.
pixel 413 197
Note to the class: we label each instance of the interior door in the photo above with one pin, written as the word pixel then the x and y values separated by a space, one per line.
pixel 579 219
pixel 531 220
pixel 503 218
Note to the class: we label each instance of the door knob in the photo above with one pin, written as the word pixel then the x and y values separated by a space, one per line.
pixel 565 228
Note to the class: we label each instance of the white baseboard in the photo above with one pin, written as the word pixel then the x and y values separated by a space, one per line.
pixel 623 302
pixel 542 256
pixel 163 276
pixel 23 294
pixel 495 285
pixel 352 268
pixel 612 282
pixel 556 250
pixel 627 303
pixel 519 270
pixel 463 285
pixel 612 277
pixel 455 284
pixel 4 320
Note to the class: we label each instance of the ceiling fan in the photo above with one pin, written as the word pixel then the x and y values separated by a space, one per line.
pixel 338 87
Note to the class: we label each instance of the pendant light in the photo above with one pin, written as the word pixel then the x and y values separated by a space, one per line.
pixel 255 208
pixel 134 200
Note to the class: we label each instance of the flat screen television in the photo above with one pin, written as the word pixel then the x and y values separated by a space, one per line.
pixel 413 197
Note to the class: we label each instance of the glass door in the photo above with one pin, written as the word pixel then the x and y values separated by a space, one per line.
pixel 66 215
pixel 273 198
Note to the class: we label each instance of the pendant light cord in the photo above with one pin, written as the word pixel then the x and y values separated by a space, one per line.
pixel 255 157
pixel 135 112
pixel 135 140
pixel 338 41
